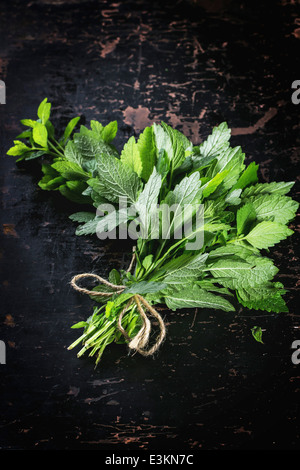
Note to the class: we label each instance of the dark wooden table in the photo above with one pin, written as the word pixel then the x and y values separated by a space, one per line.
pixel 192 64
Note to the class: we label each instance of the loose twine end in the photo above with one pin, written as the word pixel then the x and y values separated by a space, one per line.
pixel 140 341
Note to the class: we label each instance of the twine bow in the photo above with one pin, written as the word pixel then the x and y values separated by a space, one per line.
pixel 140 341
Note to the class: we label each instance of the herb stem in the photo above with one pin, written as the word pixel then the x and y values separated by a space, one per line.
pixel 55 149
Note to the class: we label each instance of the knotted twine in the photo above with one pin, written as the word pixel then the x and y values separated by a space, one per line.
pixel 140 341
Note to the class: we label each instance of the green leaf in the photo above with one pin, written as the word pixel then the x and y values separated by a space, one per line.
pixel 249 176
pixel 19 149
pixel 184 269
pixel 266 297
pixel 109 132
pixel 163 163
pixel 69 128
pixel 182 203
pixel 236 273
pixel 50 129
pixel 275 207
pixel 147 152
pixel 268 188
pixel 217 142
pixel 34 155
pixel 191 296
pixel 40 134
pixel 162 141
pixel 76 185
pixel 24 134
pixel 80 324
pixel 118 179
pixel 172 142
pixel 104 224
pixel 44 110
pixel 91 147
pixel 147 262
pixel 232 250
pixel 97 127
pixel 130 156
pixel 70 170
pixel 267 234
pixel 49 183
pixel 82 216
pixel 179 143
pixel 257 333
pixel 145 287
pixel 28 122
pixel 244 218
pixel 101 288
pixel 114 277
pixel 188 191
pixel 233 198
pixel 72 153
pixel 74 196
pixel 146 204
pixel 230 160
pixel 209 187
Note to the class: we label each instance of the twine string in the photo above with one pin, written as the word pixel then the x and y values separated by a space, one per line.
pixel 141 339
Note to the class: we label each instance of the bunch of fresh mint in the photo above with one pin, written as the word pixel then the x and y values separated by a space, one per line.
pixel 241 218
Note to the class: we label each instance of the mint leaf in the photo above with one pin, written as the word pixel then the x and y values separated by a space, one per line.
pixel 44 111
pixel 70 170
pixel 217 142
pixel 235 272
pixel 275 207
pixel 267 234
pixel 179 143
pixel 245 217
pixel 184 269
pixel 147 201
pixel 82 216
pixel 257 334
pixel 75 196
pixel 265 297
pixel 147 152
pixel 130 156
pixel 28 122
pixel 109 132
pixel 104 224
pixel 69 128
pixel 172 142
pixel 230 250
pixel 268 188
pixel 19 149
pixel 118 179
pixel 145 287
pixel 209 187
pixel 249 176
pixel 233 198
pixel 72 153
pixel 191 296
pixel 230 160
pixel 40 134
pixel 189 190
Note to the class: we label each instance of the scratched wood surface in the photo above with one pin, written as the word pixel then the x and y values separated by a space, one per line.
pixel 192 64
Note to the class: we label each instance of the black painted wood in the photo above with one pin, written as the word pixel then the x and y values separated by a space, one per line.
pixel 192 64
